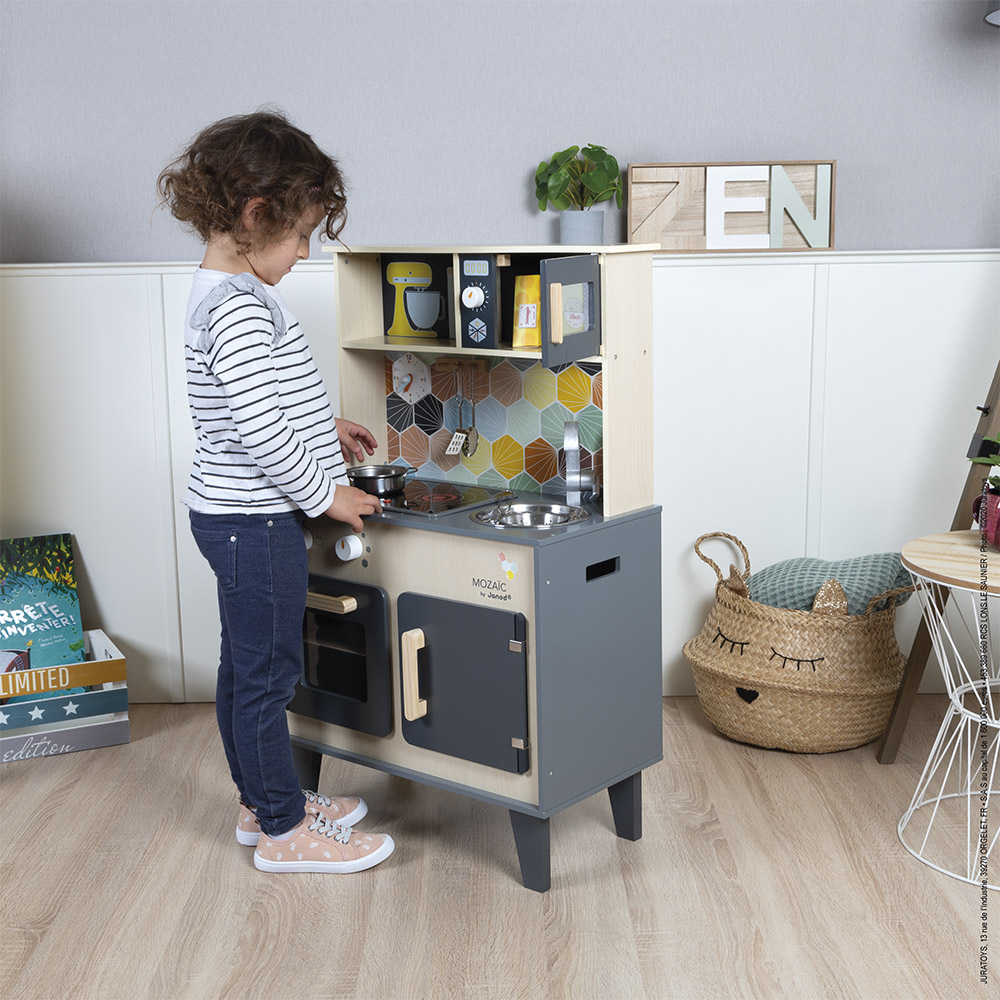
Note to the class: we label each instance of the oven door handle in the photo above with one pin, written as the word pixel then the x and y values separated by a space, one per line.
pixel 336 605
pixel 414 707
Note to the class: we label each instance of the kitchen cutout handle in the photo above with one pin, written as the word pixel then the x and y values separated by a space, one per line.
pixel 555 313
pixel 414 707
pixel 336 605
pixel 604 568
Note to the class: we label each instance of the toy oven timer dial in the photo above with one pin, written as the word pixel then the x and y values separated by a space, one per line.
pixel 478 302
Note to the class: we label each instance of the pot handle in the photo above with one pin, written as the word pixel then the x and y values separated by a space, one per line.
pixel 414 707
pixel 721 534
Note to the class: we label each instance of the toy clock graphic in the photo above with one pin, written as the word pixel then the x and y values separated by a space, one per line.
pixel 479 319
pixel 411 378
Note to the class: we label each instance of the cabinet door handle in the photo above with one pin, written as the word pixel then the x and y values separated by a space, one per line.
pixel 555 313
pixel 337 605
pixel 414 707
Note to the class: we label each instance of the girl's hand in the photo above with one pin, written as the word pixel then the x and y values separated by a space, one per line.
pixel 352 437
pixel 351 504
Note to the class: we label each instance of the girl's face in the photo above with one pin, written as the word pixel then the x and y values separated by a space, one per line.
pixel 273 261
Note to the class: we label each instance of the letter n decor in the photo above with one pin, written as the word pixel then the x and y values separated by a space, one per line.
pixel 692 207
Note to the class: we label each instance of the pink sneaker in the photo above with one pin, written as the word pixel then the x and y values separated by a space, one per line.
pixel 346 810
pixel 317 845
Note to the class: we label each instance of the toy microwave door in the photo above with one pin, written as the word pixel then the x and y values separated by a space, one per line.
pixel 571 308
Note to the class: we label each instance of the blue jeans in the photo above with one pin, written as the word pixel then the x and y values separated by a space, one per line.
pixel 260 564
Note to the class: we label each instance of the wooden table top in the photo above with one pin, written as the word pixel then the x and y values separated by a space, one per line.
pixel 954 558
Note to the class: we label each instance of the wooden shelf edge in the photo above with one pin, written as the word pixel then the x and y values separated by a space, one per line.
pixel 431 345
pixel 555 249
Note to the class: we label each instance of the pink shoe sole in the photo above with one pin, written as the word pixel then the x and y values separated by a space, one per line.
pixel 335 867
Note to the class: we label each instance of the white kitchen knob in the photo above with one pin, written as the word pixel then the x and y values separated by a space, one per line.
pixel 308 536
pixel 349 547
pixel 473 297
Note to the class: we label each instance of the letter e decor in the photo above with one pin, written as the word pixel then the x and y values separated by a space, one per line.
pixel 690 207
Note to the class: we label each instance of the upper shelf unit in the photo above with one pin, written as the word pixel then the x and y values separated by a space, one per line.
pixel 541 302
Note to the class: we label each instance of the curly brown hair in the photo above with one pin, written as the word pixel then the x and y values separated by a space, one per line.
pixel 246 156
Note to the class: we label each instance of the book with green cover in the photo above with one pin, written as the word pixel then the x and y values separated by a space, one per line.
pixel 39 608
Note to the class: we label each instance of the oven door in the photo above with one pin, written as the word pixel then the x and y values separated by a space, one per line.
pixel 346 677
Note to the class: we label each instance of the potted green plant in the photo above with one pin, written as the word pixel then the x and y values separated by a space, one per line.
pixel 990 520
pixel 573 181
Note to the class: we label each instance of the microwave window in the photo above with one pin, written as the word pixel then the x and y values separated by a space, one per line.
pixel 577 301
pixel 334 654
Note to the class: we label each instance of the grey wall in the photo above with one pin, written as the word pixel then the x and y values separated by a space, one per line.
pixel 440 111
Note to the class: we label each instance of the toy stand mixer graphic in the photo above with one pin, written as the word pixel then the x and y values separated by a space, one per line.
pixel 416 308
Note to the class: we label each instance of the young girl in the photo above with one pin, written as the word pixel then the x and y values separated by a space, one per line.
pixel 269 453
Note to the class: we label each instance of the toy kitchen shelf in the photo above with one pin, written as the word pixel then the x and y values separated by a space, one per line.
pixel 518 667
pixel 619 336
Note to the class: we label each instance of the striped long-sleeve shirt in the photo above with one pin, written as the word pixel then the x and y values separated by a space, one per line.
pixel 267 438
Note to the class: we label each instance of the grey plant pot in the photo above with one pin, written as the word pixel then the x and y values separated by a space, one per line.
pixel 582 228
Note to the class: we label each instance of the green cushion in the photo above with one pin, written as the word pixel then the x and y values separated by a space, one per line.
pixel 793 583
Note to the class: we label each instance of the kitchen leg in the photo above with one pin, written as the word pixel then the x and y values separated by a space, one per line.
pixel 307 764
pixel 626 806
pixel 531 837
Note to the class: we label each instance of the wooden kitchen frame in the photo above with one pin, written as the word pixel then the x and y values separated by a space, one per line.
pixel 568 686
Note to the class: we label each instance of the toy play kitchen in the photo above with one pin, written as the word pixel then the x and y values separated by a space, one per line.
pixel 495 630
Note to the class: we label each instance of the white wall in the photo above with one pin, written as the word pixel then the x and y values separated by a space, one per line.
pixel 84 449
pixel 440 110
pixel 817 404
pixel 96 440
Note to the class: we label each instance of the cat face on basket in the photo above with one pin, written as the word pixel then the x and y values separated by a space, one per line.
pixel 771 657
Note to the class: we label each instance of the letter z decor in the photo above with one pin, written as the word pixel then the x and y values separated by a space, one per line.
pixel 691 207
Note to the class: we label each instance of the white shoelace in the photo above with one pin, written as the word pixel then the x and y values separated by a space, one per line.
pixel 316 797
pixel 326 827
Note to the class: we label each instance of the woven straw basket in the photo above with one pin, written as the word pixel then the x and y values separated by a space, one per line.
pixel 808 681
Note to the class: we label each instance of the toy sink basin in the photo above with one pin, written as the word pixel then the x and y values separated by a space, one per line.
pixel 530 515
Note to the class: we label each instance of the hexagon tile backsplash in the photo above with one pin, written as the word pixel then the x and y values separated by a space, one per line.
pixel 521 408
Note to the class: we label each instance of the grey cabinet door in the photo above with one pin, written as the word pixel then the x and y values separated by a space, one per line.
pixel 471 680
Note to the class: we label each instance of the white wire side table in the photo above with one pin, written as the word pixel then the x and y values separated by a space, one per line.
pixel 953 822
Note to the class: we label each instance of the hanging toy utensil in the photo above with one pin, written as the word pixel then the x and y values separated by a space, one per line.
pixel 458 438
pixel 471 434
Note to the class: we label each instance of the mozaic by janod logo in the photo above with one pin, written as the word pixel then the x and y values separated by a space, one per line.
pixel 496 590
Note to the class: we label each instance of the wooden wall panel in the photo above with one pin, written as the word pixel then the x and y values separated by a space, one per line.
pixel 814 404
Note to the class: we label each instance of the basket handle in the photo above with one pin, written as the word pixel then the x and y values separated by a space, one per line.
pixel 889 593
pixel 721 534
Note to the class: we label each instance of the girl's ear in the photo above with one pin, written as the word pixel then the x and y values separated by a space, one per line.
pixel 253 212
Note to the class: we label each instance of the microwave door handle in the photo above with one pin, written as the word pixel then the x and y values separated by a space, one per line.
pixel 555 313
pixel 414 707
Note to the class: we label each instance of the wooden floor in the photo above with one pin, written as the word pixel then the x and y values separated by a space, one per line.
pixel 759 874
